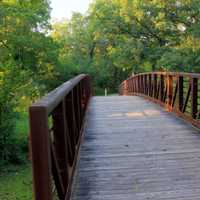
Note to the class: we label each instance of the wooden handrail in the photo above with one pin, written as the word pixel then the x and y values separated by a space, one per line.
pixel 178 92
pixel 56 124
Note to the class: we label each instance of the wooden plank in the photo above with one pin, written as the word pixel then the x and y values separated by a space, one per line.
pixel 134 149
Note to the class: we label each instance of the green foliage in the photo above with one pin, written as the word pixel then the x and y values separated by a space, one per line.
pixel 120 37
pixel 111 41
pixel 28 60
pixel 7 115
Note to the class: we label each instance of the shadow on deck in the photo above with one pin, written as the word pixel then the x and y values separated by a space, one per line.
pixel 134 149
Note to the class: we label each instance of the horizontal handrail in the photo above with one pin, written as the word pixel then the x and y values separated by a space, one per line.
pixel 56 124
pixel 52 99
pixel 194 75
pixel 178 92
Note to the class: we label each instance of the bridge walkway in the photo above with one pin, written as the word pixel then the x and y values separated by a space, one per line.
pixel 133 149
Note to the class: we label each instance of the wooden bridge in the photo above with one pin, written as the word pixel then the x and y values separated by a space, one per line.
pixel 143 144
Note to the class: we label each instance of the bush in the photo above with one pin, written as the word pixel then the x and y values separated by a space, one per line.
pixel 13 149
pixel 7 129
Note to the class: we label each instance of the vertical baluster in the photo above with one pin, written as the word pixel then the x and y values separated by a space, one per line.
pixel 129 86
pixel 132 83
pixel 145 83
pixel 136 89
pixel 87 89
pixel 125 88
pixel 81 99
pixel 154 85
pixel 60 142
pixel 175 92
pixel 147 86
pixel 79 104
pixel 161 87
pixel 142 84
pixel 139 85
pixel 169 90
pixel 71 123
pixel 135 84
pixel 150 83
pixel 90 87
pixel 180 93
pixel 194 99
pixel 77 110
pixel 127 82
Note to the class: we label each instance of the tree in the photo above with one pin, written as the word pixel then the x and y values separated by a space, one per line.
pixel 28 57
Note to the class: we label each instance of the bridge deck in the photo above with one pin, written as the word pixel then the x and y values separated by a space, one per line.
pixel 133 149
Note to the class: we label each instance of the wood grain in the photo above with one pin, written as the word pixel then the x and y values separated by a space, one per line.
pixel 135 150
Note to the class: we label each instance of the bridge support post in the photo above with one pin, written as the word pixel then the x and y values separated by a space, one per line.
pixel 41 153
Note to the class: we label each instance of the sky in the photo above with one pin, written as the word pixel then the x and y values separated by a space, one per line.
pixel 64 8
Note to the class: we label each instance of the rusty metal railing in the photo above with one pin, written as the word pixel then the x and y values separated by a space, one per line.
pixel 179 92
pixel 56 124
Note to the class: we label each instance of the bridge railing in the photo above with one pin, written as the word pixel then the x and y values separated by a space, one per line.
pixel 179 92
pixel 56 124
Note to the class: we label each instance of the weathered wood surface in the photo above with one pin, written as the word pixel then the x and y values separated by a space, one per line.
pixel 134 150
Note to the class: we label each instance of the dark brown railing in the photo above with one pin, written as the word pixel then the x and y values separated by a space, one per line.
pixel 179 92
pixel 56 124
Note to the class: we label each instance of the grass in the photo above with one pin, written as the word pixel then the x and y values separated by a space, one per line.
pixel 16 180
pixel 16 183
